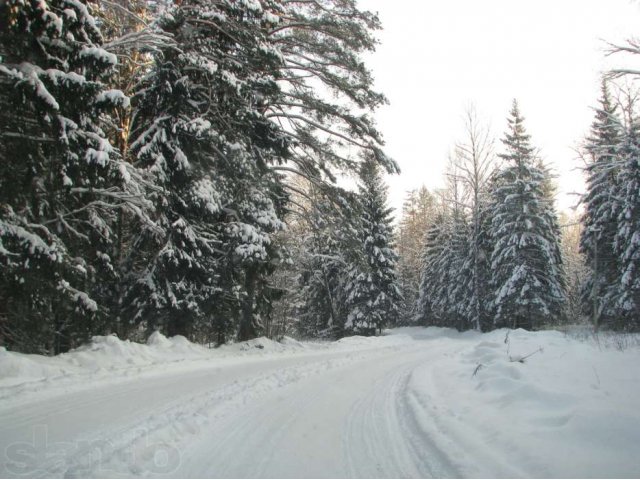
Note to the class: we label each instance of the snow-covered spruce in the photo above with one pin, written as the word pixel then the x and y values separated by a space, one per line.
pixel 61 181
pixel 330 250
pixel 527 276
pixel 372 291
pixel 200 130
pixel 627 239
pixel 603 205
pixel 446 277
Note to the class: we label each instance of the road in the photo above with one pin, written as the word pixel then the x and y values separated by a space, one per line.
pixel 328 413
pixel 416 403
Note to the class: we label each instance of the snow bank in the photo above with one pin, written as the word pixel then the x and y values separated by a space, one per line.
pixel 103 353
pixel 109 354
pixel 265 345
pixel 569 409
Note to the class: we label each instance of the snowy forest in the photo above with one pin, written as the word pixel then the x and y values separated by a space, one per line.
pixel 212 169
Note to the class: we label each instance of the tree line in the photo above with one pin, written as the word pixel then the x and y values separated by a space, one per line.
pixel 491 250
pixel 152 154
pixel 177 166
pixel 491 255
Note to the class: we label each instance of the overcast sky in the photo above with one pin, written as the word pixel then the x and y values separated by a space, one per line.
pixel 436 57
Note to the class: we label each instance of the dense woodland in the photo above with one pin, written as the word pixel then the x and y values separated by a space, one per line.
pixel 181 166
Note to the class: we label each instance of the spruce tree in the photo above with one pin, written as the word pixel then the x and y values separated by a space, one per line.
pixel 372 293
pixel 603 206
pixel 445 289
pixel 475 274
pixel 331 250
pixel 201 131
pixel 527 276
pixel 626 293
pixel 61 181
pixel 427 311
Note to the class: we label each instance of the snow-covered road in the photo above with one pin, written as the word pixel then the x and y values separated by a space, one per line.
pixel 343 420
pixel 405 405
pixel 319 413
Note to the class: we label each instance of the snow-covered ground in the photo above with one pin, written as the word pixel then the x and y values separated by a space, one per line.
pixel 414 403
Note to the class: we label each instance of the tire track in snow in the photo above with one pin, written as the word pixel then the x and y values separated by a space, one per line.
pixel 392 444
pixel 345 413
pixel 351 421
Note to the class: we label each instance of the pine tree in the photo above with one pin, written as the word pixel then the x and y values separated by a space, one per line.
pixel 326 51
pixel 527 276
pixel 61 181
pixel 602 208
pixel 372 293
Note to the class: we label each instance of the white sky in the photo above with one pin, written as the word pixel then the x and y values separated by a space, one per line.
pixel 436 57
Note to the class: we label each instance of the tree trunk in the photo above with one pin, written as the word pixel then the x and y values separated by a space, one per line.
pixel 247 329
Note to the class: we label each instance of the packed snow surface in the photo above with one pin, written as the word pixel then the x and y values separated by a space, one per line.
pixel 413 403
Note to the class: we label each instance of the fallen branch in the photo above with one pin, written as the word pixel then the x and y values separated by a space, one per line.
pixel 522 359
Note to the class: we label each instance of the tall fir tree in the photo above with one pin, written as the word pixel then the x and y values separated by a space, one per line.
pixel 603 205
pixel 626 293
pixel 331 250
pixel 477 263
pixel 427 313
pixel 201 131
pixel 527 277
pixel 373 294
pixel 61 181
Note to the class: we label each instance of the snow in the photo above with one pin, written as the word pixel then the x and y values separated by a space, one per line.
pixel 70 14
pixel 114 97
pixel 106 354
pixel 100 55
pixel 569 410
pixel 206 194
pixel 35 245
pixel 99 157
pixel 200 61
pixel 413 403
pixel 30 74
pixel 253 5
pixel 271 18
